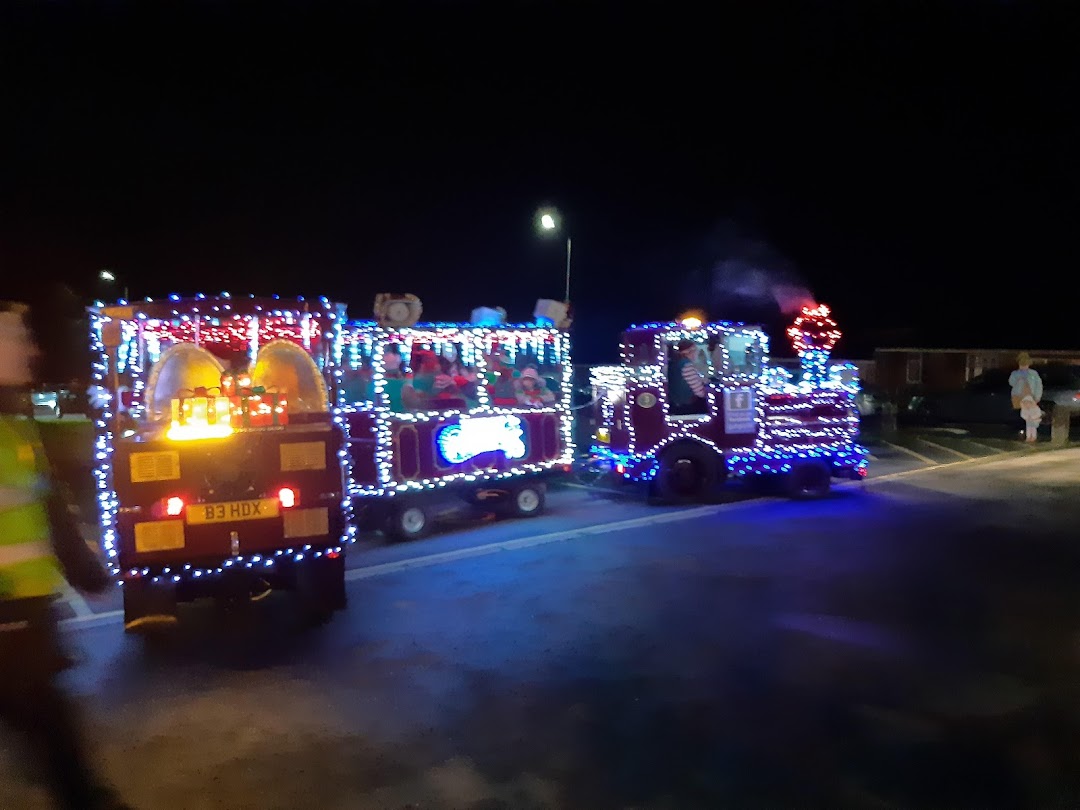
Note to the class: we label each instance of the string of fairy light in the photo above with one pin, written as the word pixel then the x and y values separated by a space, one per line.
pixel 812 417
pixel 224 326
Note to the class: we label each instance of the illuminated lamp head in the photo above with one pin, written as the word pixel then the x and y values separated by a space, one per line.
pixel 693 319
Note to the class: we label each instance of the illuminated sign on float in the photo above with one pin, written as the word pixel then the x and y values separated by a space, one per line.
pixel 483 434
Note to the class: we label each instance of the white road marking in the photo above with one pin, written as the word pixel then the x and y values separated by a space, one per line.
pixel 1009 456
pixel 988 447
pixel 912 453
pixel 372 571
pixel 943 447
pixel 78 604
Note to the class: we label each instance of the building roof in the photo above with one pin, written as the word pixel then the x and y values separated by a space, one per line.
pixel 925 350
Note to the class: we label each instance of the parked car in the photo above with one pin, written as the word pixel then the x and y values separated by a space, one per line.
pixel 869 402
pixel 57 400
pixel 987 398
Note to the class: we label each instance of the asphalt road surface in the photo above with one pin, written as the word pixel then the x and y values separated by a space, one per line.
pixel 913 641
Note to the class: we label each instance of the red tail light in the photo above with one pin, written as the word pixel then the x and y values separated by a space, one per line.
pixel 288 497
pixel 174 506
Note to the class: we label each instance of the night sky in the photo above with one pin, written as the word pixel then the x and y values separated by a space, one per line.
pixel 910 164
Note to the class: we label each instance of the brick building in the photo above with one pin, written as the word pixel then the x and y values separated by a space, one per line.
pixel 908 371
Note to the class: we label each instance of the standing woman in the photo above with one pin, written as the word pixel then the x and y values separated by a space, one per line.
pixel 1027 390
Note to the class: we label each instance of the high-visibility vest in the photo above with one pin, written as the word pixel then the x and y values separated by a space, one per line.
pixel 28 567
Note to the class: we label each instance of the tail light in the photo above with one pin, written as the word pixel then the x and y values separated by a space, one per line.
pixel 288 497
pixel 173 506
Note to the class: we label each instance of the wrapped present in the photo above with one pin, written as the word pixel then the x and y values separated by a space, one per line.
pixel 257 407
pixel 201 406
pixel 200 413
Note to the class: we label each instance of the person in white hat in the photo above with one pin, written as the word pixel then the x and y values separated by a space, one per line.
pixel 533 392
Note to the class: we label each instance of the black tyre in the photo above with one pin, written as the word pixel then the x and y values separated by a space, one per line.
pixel 809 481
pixel 527 499
pixel 688 473
pixel 368 518
pixel 407 521
pixel 320 588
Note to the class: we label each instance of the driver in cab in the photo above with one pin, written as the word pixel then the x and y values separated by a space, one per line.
pixel 686 383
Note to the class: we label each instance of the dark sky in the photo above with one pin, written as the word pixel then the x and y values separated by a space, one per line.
pixel 911 164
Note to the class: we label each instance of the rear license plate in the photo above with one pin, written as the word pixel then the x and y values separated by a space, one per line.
pixel 232 510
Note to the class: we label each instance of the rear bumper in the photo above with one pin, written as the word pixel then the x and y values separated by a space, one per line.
pixel 216 578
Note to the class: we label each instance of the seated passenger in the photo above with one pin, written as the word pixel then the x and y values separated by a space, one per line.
pixel 446 392
pixel 686 383
pixel 393 378
pixel 500 379
pixel 532 392
pixel 417 392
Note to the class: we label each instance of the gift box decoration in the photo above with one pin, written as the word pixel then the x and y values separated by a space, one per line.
pixel 257 407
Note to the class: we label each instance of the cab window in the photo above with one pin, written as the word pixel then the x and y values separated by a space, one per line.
pixel 743 353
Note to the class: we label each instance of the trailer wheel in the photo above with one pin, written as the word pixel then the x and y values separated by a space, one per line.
pixel 809 482
pixel 320 588
pixel 527 500
pixel 367 518
pixel 687 473
pixel 407 521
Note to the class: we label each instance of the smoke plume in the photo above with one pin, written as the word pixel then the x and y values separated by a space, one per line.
pixel 746 272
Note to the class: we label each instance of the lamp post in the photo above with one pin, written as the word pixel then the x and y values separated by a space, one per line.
pixel 549 224
pixel 109 277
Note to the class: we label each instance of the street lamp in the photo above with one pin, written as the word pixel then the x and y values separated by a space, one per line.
pixel 549 224
pixel 109 277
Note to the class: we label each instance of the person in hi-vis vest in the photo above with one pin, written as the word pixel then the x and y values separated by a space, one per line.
pixel 39 546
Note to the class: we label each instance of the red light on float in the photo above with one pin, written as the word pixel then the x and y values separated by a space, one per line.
pixel 174 506
pixel 814 330
pixel 287 497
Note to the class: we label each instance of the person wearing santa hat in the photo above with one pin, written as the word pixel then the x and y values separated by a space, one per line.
pixel 533 392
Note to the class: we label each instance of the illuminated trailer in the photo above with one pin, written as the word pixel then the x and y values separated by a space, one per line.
pixel 693 403
pixel 221 468
pixel 478 411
